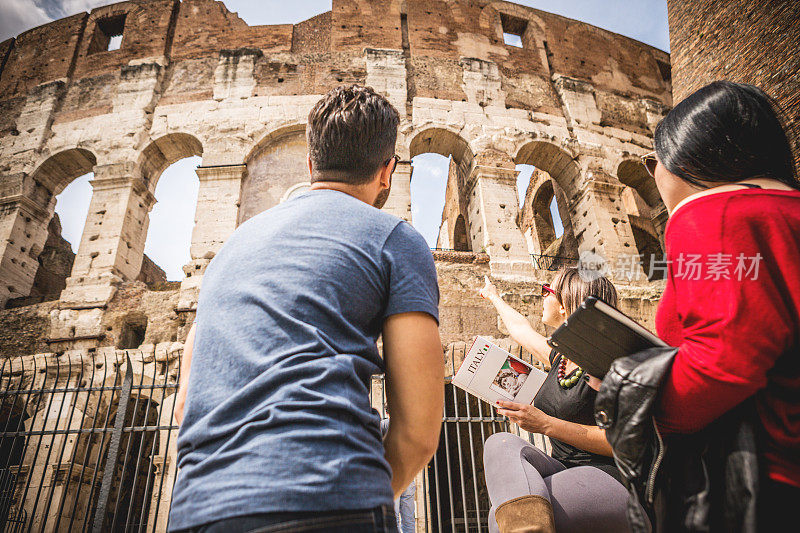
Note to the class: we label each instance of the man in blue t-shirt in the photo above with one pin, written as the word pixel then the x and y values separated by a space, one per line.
pixel 276 423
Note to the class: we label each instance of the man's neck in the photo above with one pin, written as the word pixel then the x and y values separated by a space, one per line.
pixel 360 192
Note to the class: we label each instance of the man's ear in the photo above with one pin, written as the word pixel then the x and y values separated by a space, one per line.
pixel 562 311
pixel 310 165
pixel 386 174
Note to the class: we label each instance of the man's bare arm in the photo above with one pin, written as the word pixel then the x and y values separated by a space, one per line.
pixel 415 392
pixel 183 383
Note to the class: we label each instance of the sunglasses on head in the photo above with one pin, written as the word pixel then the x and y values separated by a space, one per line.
pixel 546 289
pixel 396 161
pixel 649 161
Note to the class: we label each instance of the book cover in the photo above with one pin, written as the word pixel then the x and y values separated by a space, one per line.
pixel 492 374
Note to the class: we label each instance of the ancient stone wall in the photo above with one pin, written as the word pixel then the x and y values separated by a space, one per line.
pixel 742 41
pixel 192 79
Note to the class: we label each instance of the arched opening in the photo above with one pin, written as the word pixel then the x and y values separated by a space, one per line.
pixel 549 158
pixel 428 189
pixel 441 161
pixel 545 216
pixel 168 166
pixel 169 234
pixel 277 164
pixel 48 238
pixel 460 238
pixel 646 213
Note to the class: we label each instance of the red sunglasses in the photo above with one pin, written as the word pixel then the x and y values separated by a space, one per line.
pixel 547 290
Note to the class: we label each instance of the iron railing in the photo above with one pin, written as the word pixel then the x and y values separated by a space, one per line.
pixel 87 443
pixel 552 262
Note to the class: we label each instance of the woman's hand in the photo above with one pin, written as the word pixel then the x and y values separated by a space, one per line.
pixel 488 291
pixel 527 417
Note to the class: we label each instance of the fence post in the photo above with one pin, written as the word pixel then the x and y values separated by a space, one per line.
pixel 113 447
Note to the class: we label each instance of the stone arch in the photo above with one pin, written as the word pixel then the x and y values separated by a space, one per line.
pixel 273 136
pixel 631 172
pixel 274 165
pixel 160 154
pixel 59 169
pixel 36 237
pixel 450 144
pixel 441 141
pixel 553 159
pixel 646 211
pixel 557 174
pixel 164 151
pixel 537 221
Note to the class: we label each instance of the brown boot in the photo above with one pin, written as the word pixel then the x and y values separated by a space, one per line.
pixel 526 514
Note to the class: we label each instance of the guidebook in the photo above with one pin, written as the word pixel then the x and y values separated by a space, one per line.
pixel 492 374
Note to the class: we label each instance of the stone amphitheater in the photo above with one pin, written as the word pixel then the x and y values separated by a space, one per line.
pixel 191 78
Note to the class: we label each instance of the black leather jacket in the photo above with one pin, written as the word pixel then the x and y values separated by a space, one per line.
pixel 705 482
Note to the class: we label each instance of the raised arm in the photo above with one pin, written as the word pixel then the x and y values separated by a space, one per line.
pixel 415 393
pixel 518 326
pixel 183 382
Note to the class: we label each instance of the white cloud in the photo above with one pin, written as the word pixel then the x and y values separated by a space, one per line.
pixel 71 7
pixel 17 16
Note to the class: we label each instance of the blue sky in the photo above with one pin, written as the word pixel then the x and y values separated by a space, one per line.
pixel 172 218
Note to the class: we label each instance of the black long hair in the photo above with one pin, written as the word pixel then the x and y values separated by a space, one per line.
pixel 723 133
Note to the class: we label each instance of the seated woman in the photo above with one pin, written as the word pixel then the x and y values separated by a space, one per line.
pixel 724 168
pixel 578 488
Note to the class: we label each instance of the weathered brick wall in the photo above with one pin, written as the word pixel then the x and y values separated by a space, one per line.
pixel 311 56
pixel 742 41
pixel 146 34
pixel 205 27
pixel 40 55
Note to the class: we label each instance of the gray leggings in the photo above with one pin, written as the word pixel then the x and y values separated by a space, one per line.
pixel 584 498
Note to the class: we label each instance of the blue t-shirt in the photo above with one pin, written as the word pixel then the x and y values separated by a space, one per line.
pixel 278 415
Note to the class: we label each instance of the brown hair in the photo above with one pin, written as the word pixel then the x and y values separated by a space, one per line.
pixel 351 133
pixel 572 289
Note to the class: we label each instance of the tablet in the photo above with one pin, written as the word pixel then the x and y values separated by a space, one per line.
pixel 597 333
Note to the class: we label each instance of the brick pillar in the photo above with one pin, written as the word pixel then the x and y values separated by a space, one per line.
pixel 24 216
pixel 215 220
pixel 493 207
pixel 112 244
pixel 601 226
pixel 399 201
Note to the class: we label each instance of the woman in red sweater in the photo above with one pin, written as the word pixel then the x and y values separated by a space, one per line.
pixel 724 169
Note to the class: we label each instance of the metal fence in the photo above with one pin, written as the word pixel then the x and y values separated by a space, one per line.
pixel 88 444
pixel 552 262
pixel 85 442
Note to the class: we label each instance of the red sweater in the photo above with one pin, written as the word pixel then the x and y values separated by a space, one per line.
pixel 738 331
